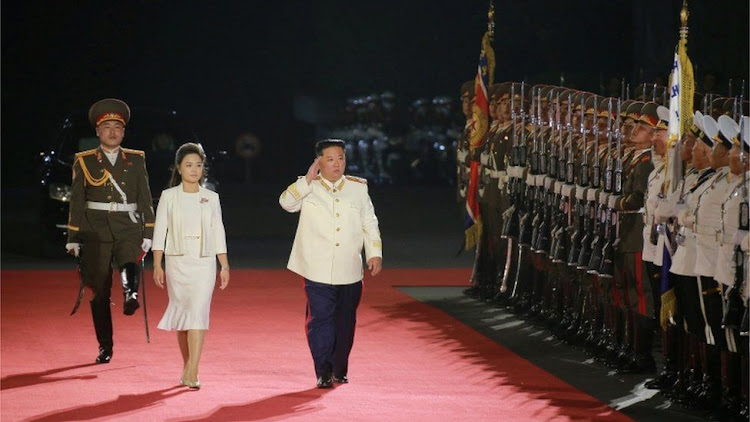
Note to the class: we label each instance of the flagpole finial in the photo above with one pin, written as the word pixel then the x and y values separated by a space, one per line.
pixel 491 19
pixel 684 14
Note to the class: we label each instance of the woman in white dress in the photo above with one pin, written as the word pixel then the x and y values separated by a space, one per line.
pixel 189 230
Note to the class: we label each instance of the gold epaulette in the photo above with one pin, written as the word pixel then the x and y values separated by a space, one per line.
pixel 356 179
pixel 134 151
pixel 85 153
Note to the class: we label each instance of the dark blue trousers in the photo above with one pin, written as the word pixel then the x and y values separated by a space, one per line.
pixel 331 317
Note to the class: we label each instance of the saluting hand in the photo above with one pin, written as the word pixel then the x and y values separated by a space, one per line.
pixel 159 277
pixel 375 264
pixel 312 172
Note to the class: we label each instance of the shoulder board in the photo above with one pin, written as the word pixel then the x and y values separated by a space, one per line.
pixel 356 179
pixel 134 151
pixel 85 153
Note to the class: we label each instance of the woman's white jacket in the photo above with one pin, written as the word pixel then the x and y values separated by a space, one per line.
pixel 168 235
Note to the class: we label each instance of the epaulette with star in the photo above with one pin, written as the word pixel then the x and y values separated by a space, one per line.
pixel 356 179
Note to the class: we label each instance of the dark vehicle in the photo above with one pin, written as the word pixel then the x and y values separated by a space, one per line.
pixel 157 132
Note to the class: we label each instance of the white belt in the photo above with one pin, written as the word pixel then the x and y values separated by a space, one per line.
pixel 111 206
pixel 495 174
pixel 638 211
pixel 705 230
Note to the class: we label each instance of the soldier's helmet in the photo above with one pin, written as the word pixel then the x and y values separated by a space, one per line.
pixel 109 109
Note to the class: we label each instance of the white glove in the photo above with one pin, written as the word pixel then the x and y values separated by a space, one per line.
pixel 664 209
pixel 678 208
pixel 686 218
pixel 73 248
pixel 146 245
pixel 739 239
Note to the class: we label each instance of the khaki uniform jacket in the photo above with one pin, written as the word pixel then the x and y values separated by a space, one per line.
pixel 336 221
pixel 91 182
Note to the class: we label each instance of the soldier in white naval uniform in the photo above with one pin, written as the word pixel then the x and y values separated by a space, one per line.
pixel 707 223
pixel 735 355
pixel 337 219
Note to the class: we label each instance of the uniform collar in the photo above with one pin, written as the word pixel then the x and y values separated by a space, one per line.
pixel 328 186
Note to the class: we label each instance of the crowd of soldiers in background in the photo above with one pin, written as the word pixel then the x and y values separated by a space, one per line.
pixel 575 216
pixel 386 143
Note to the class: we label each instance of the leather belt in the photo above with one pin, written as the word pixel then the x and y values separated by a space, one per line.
pixel 111 206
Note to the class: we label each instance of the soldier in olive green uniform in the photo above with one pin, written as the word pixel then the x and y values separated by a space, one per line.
pixel 111 216
pixel 634 292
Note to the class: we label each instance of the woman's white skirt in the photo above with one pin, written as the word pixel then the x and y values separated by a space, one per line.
pixel 190 285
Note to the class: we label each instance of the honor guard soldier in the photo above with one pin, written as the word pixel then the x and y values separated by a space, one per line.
pixel 706 223
pixel 111 219
pixel 671 317
pixel 634 293
pixel 682 270
pixel 727 266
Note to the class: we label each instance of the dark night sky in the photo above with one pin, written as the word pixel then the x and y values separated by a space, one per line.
pixel 237 66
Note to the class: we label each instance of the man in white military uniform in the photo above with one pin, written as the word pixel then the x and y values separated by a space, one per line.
pixel 706 224
pixel 337 219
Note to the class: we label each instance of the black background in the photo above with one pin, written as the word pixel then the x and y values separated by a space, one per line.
pixel 241 66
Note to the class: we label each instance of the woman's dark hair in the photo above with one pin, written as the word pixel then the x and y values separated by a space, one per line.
pixel 183 151
pixel 327 143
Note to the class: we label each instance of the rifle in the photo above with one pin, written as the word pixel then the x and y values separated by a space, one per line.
pixel 510 216
pixel 580 208
pixel 591 222
pixel 606 269
pixel 600 239
pixel 565 174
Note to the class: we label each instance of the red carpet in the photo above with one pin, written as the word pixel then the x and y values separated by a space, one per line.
pixel 410 362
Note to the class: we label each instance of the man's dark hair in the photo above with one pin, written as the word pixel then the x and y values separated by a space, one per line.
pixel 326 143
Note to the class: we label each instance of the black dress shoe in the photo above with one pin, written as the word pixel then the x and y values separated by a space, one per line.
pixel 324 381
pixel 105 355
pixel 341 380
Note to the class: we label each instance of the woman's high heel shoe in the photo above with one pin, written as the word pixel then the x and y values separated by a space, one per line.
pixel 193 385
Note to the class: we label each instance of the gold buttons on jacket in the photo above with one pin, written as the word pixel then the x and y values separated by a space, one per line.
pixel 337 199
pixel 337 214
pixel 338 228
pixel 337 244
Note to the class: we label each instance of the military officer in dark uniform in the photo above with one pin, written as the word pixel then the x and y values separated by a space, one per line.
pixel 111 219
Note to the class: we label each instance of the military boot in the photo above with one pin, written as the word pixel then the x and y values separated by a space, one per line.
pixel 668 376
pixel 101 313
pixel 710 388
pixel 130 275
pixel 729 407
